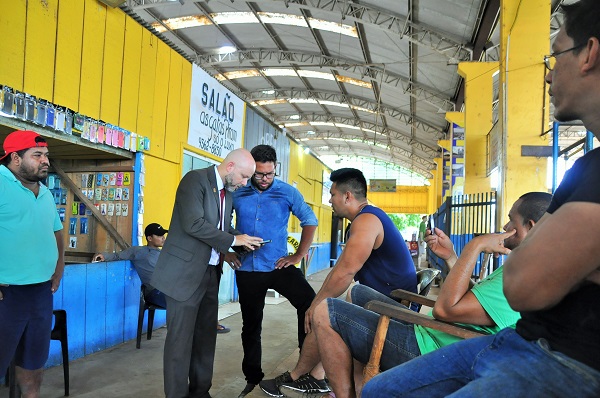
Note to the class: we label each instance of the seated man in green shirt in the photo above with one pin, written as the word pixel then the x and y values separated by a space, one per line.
pixel 345 331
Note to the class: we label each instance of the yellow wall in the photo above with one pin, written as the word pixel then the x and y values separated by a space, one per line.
pixel 105 67
pixel 525 34
pixel 406 199
pixel 306 172
pixel 98 61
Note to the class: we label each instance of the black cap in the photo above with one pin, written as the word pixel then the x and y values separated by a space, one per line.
pixel 155 229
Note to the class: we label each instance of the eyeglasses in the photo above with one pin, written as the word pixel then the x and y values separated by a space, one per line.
pixel 550 60
pixel 260 176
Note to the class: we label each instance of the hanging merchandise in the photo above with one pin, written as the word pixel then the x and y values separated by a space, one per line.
pixel 29 108
pixel 8 101
pixel 20 105
pixel 40 112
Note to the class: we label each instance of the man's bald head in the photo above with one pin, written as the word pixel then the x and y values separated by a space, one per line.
pixel 237 167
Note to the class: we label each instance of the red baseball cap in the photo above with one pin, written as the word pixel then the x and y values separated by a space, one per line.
pixel 22 139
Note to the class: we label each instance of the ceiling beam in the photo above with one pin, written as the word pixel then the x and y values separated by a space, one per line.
pixel 391 23
pixel 370 105
pixel 437 99
pixel 375 153
pixel 386 131
pixel 353 135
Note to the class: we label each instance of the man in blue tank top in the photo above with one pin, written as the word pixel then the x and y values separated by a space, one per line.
pixel 375 256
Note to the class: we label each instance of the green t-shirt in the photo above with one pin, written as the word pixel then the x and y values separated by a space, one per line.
pixel 490 296
pixel 422 230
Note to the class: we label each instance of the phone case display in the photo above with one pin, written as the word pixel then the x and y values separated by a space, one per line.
pixel 83 232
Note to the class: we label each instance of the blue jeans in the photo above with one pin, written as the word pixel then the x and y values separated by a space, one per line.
pixel 357 327
pixel 504 365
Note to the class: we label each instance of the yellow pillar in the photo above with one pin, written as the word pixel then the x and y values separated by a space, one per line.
pixel 477 122
pixel 525 38
pixel 435 187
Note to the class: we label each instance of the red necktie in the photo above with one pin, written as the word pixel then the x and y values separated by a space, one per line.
pixel 221 210
pixel 221 227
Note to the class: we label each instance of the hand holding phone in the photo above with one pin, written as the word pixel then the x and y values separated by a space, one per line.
pixel 265 241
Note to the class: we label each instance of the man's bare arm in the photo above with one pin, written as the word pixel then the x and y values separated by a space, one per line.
pixel 456 302
pixel 366 230
pixel 308 234
pixel 554 258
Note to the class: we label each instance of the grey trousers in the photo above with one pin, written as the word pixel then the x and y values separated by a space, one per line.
pixel 191 338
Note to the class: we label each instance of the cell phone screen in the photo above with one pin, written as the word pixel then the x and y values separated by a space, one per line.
pixel 431 225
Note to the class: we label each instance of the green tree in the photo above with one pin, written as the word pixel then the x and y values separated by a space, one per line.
pixel 406 221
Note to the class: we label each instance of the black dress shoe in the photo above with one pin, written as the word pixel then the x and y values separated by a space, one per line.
pixel 249 387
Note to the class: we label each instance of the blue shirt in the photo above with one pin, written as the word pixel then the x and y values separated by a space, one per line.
pixel 266 214
pixel 28 250
pixel 390 266
pixel 143 258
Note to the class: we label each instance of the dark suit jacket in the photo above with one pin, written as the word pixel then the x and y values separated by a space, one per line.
pixel 193 232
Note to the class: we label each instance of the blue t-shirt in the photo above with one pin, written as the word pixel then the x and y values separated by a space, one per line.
pixel 266 214
pixel 28 249
pixel 390 266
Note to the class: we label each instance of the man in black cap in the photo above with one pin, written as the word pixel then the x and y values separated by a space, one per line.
pixel 144 259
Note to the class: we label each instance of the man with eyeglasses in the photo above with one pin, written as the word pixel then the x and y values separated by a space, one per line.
pixel 263 209
pixel 552 278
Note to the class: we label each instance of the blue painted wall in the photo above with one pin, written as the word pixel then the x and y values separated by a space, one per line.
pixel 102 304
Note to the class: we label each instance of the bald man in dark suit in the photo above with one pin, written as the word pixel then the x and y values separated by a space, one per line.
pixel 186 271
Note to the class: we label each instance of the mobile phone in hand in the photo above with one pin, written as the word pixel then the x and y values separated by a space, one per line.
pixel 265 241
pixel 431 225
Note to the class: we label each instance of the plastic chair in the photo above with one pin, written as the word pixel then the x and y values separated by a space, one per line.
pixel 59 332
pixel 143 307
pixel 425 278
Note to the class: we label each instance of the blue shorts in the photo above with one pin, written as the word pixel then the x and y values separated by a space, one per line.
pixel 25 325
pixel 357 327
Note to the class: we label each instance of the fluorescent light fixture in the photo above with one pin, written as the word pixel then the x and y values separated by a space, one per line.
pixel 226 50
pixel 294 117
pixel 310 132
pixel 224 18
pixel 293 73
pixel 298 124
pixel 302 101
pixel 268 92
pixel 271 102
pixel 316 75
pixel 351 80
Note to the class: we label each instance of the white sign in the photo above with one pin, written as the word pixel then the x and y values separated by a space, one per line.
pixel 216 115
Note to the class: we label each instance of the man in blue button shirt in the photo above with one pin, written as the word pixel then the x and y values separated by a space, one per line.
pixel 263 209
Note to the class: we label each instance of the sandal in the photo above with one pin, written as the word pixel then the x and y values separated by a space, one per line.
pixel 222 329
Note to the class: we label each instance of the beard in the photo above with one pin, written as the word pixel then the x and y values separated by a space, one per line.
pixel 229 185
pixel 32 174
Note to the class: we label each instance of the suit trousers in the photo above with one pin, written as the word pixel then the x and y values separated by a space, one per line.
pixel 191 339
pixel 252 288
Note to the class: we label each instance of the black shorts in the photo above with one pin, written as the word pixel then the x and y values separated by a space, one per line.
pixel 25 325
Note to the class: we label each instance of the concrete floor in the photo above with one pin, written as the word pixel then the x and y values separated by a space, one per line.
pixel 124 371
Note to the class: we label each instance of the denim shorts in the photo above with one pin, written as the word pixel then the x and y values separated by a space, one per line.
pixel 25 325
pixel 357 327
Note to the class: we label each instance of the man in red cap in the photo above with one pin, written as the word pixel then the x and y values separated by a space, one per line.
pixel 32 253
